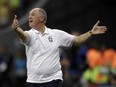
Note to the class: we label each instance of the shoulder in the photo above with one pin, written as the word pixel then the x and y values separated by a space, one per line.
pixel 55 30
pixel 28 30
pixel 31 33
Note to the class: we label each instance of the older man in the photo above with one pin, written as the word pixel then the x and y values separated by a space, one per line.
pixel 42 48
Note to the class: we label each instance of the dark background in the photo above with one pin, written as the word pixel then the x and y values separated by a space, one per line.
pixel 71 15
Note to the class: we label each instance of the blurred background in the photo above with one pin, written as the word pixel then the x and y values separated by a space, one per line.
pixel 91 64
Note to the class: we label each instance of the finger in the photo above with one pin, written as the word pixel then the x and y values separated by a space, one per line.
pixel 97 23
pixel 15 17
pixel 103 27
pixel 103 30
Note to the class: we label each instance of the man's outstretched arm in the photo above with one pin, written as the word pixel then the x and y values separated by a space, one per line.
pixel 94 31
pixel 15 26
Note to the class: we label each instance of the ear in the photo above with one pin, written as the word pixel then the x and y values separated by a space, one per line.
pixel 41 18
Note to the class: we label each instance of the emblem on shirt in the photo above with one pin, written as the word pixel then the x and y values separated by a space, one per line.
pixel 50 39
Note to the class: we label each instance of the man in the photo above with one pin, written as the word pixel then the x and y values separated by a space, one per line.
pixel 42 48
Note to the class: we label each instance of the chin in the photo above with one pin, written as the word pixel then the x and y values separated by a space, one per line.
pixel 30 25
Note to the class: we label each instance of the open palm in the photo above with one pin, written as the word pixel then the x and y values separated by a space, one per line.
pixel 98 29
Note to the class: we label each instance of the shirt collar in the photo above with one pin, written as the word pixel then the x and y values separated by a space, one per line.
pixel 45 32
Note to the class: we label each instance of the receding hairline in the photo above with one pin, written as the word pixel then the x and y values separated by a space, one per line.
pixel 39 9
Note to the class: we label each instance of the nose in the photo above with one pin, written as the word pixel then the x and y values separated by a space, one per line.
pixel 29 17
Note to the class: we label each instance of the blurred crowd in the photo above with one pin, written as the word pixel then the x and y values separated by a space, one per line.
pixel 12 67
pixel 89 66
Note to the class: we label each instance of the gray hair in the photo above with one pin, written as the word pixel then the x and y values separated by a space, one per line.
pixel 44 14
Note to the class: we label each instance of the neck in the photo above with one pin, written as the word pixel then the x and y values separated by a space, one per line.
pixel 41 28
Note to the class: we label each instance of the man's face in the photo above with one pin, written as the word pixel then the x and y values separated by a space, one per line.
pixel 34 18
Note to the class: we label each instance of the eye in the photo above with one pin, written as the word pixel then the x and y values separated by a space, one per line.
pixel 33 14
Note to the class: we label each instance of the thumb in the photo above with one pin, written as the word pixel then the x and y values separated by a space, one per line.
pixel 15 17
pixel 97 23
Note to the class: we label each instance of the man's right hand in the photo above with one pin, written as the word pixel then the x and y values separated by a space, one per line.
pixel 15 23
pixel 22 34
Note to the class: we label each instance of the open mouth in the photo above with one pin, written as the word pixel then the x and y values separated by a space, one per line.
pixel 30 21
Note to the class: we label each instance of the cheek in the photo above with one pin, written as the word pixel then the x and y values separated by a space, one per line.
pixel 36 20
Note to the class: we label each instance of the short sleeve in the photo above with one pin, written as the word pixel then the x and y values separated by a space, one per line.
pixel 66 39
pixel 29 38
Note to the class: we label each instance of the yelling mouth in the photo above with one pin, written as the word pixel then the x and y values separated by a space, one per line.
pixel 30 21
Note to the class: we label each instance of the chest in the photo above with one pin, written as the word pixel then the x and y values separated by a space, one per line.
pixel 44 43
